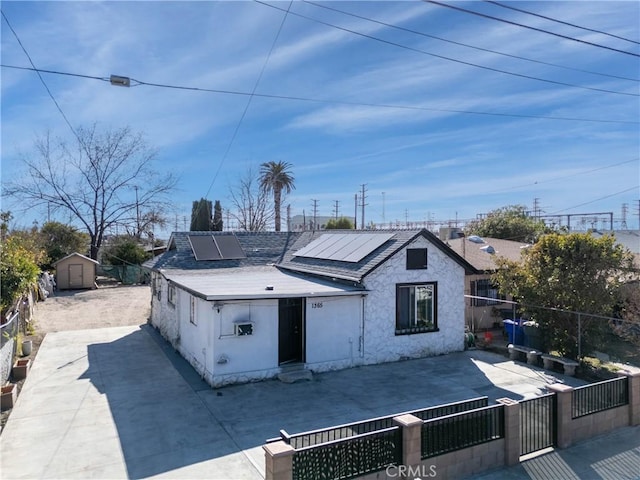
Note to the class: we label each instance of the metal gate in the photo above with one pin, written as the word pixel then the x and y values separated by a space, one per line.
pixel 537 423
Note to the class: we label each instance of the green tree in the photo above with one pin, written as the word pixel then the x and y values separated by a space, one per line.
pixel 124 250
pixel 201 216
pixel 574 272
pixel 18 269
pixel 276 178
pixel 217 217
pixel 60 240
pixel 342 223
pixel 509 223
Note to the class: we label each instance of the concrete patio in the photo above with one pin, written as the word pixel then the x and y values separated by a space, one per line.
pixel 120 403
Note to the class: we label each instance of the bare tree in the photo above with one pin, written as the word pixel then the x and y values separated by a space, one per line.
pixel 103 179
pixel 251 203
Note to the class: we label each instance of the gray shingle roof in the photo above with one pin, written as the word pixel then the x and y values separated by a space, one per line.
pixel 261 248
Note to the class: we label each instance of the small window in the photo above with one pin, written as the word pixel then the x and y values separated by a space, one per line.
pixel 416 308
pixel 416 258
pixel 192 311
pixel 171 295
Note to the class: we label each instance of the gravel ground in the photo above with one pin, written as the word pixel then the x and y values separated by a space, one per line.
pixel 110 305
pixel 107 306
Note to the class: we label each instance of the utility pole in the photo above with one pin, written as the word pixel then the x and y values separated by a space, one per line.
pixel 363 198
pixel 355 215
pixel 383 219
pixel 137 213
pixel 176 226
pixel 536 208
pixel 288 217
pixel 336 208
pixel 315 213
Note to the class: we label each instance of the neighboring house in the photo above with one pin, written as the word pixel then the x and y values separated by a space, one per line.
pixel 481 253
pixel 75 271
pixel 242 307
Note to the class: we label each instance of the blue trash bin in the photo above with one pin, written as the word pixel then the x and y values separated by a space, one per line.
pixel 514 331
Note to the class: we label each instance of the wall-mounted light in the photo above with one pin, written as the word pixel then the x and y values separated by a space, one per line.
pixel 119 81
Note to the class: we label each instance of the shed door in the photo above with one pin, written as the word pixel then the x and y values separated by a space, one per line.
pixel 75 275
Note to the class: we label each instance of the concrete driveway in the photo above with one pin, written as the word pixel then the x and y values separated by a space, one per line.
pixel 120 403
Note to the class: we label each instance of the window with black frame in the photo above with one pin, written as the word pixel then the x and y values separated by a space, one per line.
pixel 484 288
pixel 416 308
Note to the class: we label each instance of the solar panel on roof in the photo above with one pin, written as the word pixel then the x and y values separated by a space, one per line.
pixel 204 248
pixel 229 246
pixel 345 247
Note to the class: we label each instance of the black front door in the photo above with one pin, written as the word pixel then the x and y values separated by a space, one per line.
pixel 291 330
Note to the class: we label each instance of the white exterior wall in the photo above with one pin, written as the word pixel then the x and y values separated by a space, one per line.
pixel 195 341
pixel 333 329
pixel 381 344
pixel 248 357
pixel 164 316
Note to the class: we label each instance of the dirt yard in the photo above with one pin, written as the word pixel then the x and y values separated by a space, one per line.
pixel 106 306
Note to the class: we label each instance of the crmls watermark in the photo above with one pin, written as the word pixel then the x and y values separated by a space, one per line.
pixel 418 472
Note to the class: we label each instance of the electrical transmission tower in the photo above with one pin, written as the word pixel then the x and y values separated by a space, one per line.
pixel 336 208
pixel 625 210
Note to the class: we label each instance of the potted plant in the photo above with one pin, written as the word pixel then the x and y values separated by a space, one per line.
pixel 20 368
pixel 9 395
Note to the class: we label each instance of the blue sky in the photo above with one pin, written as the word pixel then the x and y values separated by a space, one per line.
pixel 432 160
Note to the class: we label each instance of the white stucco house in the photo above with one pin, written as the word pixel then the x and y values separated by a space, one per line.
pixel 245 306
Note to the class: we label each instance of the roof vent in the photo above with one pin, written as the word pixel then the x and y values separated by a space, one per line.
pixel 488 249
pixel 475 239
pixel 269 287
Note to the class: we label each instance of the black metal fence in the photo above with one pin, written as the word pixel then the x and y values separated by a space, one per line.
pixel 538 423
pixel 462 430
pixel 600 396
pixel 349 457
pixel 315 437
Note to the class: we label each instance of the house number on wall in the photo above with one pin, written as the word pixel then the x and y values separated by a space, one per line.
pixel 316 305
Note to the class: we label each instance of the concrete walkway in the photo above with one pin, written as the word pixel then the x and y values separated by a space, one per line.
pixel 120 403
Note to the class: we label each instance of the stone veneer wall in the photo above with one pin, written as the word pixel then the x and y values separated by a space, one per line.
pixel 381 344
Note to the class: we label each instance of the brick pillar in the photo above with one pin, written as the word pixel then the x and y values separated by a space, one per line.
pixel 278 458
pixel 411 439
pixel 634 396
pixel 511 430
pixel 564 429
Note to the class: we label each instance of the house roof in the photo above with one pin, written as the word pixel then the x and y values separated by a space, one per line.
pixel 356 271
pixel 629 239
pixel 261 248
pixel 478 256
pixel 254 282
pixel 76 255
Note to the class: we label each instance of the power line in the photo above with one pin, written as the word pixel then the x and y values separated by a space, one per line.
pixel 450 59
pixel 42 79
pixel 561 21
pixel 416 32
pixel 635 187
pixel 251 95
pixel 584 172
pixel 346 102
pixel 566 37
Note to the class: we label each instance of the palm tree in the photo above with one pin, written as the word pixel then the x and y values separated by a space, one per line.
pixel 276 177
